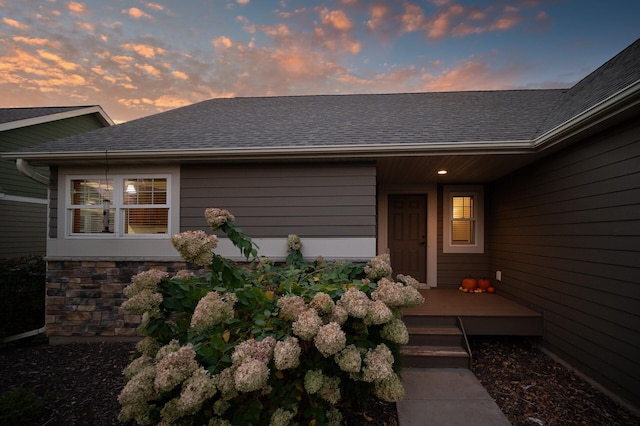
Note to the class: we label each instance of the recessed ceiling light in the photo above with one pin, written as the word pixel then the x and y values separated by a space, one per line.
pixel 442 172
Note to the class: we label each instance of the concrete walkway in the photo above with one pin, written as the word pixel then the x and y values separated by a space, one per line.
pixel 446 397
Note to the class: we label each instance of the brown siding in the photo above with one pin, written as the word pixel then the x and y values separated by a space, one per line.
pixel 453 267
pixel 565 232
pixel 274 201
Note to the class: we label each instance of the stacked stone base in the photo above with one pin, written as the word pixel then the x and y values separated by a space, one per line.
pixel 84 297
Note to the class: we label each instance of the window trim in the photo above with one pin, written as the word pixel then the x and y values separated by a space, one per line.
pixel 117 205
pixel 450 191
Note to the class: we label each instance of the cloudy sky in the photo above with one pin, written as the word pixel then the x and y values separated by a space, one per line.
pixel 137 57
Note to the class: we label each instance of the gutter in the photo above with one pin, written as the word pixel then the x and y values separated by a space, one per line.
pixel 24 168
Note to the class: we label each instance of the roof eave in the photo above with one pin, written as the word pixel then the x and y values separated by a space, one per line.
pixel 616 105
pixel 278 153
pixel 95 109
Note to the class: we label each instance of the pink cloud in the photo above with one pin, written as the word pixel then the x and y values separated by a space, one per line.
pixel 136 13
pixel 222 43
pixel 77 8
pixel 14 24
pixel 144 50
pixel 155 6
pixel 336 19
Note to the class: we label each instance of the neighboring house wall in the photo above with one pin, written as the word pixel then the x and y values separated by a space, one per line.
pixel 565 232
pixel 23 202
pixel 331 207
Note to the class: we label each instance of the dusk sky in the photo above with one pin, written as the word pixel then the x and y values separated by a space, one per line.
pixel 136 57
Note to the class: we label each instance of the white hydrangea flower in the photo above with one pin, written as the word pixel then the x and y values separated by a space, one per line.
pixel 390 390
pixel 356 302
pixel 293 242
pixel 349 359
pixel 391 293
pixel 213 309
pixel 323 303
pixel 218 217
pixel 378 364
pixel 147 280
pixel 287 353
pixel 251 375
pixel 144 302
pixel 307 324
pixel 195 246
pixel 379 267
pixel 197 389
pixel 378 313
pixel 330 339
pixel 175 368
pixel 292 306
pixel 339 315
pixel 330 390
pixel 281 417
pixel 261 350
pixel 395 331
pixel 313 380
pixel 408 280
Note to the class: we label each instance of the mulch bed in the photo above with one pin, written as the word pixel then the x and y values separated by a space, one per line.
pixel 532 389
pixel 79 385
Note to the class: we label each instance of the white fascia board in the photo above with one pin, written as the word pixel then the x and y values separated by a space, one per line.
pixel 96 109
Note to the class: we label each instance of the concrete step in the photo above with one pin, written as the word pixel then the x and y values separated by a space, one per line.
pixel 434 357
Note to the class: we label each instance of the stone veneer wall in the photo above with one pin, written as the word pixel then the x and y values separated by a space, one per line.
pixel 84 297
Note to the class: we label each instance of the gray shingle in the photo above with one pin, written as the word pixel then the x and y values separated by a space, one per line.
pixel 338 120
pixel 8 115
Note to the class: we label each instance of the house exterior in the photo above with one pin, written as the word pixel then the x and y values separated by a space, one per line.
pixel 23 200
pixel 542 194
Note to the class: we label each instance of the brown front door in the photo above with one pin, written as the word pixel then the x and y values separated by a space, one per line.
pixel 408 236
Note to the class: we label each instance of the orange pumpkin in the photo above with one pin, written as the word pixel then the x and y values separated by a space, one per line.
pixel 484 283
pixel 491 290
pixel 469 284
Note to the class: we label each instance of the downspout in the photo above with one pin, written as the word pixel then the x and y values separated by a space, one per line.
pixel 25 169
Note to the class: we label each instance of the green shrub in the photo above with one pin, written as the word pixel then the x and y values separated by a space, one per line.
pixel 19 405
pixel 22 294
pixel 271 344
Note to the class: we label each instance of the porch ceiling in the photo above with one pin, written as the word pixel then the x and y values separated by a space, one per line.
pixel 460 168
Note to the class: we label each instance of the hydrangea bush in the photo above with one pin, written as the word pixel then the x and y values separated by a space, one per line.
pixel 263 345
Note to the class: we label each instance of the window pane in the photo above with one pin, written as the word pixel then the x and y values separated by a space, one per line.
pixel 91 192
pixel 145 191
pixel 146 221
pixel 463 207
pixel 90 221
pixel 462 232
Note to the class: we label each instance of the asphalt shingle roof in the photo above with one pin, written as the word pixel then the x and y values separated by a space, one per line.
pixel 336 120
pixel 8 115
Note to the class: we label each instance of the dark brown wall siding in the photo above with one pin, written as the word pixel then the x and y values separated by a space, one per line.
pixel 565 232
pixel 274 201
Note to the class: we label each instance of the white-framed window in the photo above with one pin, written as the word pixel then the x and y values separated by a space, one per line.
pixel 463 219
pixel 121 205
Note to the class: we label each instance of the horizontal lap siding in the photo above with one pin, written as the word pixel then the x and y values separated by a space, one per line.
pixel 274 201
pixel 565 233
pixel 23 229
